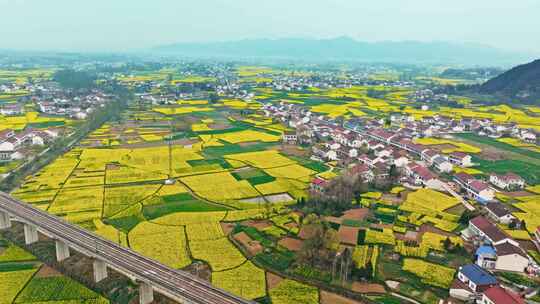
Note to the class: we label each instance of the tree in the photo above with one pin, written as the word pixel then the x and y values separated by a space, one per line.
pixel 369 271
pixel 448 244
pixel 214 98
pixel 78 80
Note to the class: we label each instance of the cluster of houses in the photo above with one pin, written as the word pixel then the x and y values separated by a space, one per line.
pixel 78 107
pixel 14 145
pixel 367 142
pixel 370 150
pixel 473 283
pixel 495 251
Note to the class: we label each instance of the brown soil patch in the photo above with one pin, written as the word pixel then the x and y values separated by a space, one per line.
pixel 442 147
pixel 291 225
pixel 348 235
pixel 332 298
pixel 218 126
pixel 367 288
pixel 253 247
pixel 333 219
pixel 304 234
pixel 428 228
pixel 259 225
pixel 47 272
pixel 227 227
pixel 392 198
pixel 381 226
pixel 291 244
pixel 248 143
pixel 294 150
pixel 491 153
pixel 112 167
pixel 200 269
pixel 355 214
pixel 518 193
pixel 272 280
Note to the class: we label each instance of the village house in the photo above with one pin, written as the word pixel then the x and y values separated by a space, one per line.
pixel 510 257
pixel 460 159
pixel 442 165
pixel 487 232
pixel 318 185
pixel 471 281
pixel 429 155
pixel 11 109
pixel 499 213
pixel 527 136
pixel 290 137
pixel 508 181
pixel 486 257
pixel 420 175
pixel 507 256
pixel 499 295
pixel 476 189
pixel 363 172
pixel 400 158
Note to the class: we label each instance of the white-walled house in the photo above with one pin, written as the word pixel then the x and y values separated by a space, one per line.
pixel 499 213
pixel 508 181
pixel 442 165
pixel 488 232
pixel 510 258
pixel 460 159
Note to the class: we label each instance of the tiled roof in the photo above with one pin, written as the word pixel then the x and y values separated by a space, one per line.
pixel 489 229
pixel 499 295
pixel 498 209
pixel 478 275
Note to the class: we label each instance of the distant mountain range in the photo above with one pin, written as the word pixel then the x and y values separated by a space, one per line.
pixel 521 82
pixel 347 49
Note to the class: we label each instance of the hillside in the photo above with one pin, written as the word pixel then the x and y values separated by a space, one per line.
pixel 347 49
pixel 521 82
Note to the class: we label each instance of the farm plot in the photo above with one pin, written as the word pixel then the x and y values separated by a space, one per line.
pixel 12 283
pixel 167 244
pixel 454 146
pixel 247 281
pixel 219 253
pixel 292 292
pixel 430 273
pixel 61 289
pixel 247 136
pixel 219 187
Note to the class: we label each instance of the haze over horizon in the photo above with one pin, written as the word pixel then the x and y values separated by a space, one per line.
pixel 123 25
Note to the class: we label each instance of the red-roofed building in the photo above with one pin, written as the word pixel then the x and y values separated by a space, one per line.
pixel 508 181
pixel 499 295
pixel 476 189
pixel 363 171
pixel 487 231
pixel 420 174
pixel 318 185
pixel 461 159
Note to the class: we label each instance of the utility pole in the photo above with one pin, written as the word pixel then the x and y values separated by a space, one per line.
pixel 170 179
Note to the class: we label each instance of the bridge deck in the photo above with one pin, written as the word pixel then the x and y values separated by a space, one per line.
pixel 172 282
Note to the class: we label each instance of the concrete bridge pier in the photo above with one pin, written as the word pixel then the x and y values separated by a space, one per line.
pixel 100 270
pixel 5 221
pixel 62 251
pixel 30 234
pixel 146 293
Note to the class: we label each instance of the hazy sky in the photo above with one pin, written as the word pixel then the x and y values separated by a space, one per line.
pixel 128 24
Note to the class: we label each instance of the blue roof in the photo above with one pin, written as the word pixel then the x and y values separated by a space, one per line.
pixel 485 250
pixel 478 275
